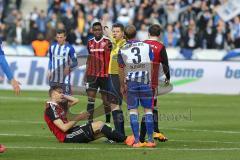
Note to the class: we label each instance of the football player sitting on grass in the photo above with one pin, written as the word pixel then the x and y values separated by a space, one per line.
pixel 66 130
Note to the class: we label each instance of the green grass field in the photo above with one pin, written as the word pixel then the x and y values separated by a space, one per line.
pixel 199 127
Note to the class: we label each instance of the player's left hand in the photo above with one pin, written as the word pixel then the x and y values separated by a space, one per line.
pixel 16 86
pixel 167 81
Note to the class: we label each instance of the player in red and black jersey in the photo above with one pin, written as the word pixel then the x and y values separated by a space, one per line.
pixel 66 130
pixel 99 48
pixel 160 57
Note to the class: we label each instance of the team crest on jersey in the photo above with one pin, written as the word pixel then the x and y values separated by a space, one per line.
pixel 103 44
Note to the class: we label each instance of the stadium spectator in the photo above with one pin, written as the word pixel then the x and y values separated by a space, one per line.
pixel 236 31
pixel 41 22
pixel 219 37
pixel 40 46
pixel 189 41
pixel 20 34
pixel 33 31
pixel 170 37
pixel 142 34
pixel 68 20
pixel 82 14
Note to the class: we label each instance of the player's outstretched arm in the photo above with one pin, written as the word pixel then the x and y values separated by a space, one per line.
pixel 64 126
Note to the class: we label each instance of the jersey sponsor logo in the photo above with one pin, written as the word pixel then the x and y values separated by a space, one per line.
pixel 102 44
pixel 97 50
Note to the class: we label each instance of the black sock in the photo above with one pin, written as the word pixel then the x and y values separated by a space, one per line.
pixel 107 110
pixel 118 120
pixel 143 130
pixel 108 118
pixel 155 120
pixel 90 109
pixel 112 134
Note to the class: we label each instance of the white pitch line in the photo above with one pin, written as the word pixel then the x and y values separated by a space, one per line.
pixel 22 135
pixel 177 129
pixel 127 148
pixel 200 141
pixel 23 122
pixel 22 98
pixel 171 140
pixel 203 130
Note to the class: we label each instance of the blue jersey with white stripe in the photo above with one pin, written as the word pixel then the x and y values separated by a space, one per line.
pixel 60 56
pixel 136 56
pixel 4 65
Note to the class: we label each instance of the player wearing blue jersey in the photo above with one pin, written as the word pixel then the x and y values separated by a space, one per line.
pixel 6 69
pixel 135 73
pixel 15 84
pixel 62 60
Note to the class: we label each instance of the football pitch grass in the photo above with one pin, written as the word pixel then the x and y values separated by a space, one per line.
pixel 199 127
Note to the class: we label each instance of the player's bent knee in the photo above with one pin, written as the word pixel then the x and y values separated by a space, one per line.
pixel 97 126
pixel 115 107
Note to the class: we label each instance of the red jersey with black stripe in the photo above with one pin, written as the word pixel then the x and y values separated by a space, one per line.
pixel 53 112
pixel 99 57
pixel 158 51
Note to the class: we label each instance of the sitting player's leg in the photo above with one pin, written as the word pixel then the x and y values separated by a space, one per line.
pixel 80 134
pixel 101 128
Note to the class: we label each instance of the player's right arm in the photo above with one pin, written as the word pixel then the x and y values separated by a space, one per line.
pixel 64 126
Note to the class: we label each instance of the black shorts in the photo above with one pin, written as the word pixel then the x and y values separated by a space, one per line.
pixel 65 87
pixel 114 95
pixel 93 83
pixel 80 134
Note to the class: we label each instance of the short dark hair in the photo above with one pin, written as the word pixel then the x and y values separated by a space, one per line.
pixel 54 88
pixel 154 30
pixel 130 31
pixel 118 25
pixel 60 31
pixel 97 24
